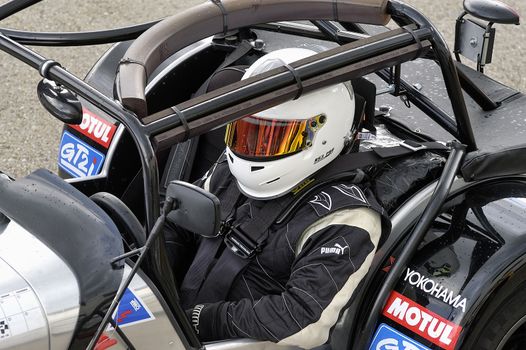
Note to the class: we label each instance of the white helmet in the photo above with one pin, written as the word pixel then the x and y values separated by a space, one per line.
pixel 271 152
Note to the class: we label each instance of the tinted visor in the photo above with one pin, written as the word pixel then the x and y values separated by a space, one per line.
pixel 255 137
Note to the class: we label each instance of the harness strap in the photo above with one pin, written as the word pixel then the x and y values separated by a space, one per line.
pixel 247 239
pixel 207 253
pixel 241 50
pixel 187 150
pixel 345 166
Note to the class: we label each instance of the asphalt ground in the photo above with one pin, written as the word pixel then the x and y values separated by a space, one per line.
pixel 29 136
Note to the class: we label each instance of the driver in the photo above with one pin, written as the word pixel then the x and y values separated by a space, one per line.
pixel 303 270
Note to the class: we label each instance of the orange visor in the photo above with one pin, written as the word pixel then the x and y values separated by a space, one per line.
pixel 252 136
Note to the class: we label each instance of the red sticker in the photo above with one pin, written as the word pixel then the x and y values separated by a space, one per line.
pixel 96 128
pixel 421 321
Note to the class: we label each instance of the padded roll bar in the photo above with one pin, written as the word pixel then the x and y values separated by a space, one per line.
pixel 215 16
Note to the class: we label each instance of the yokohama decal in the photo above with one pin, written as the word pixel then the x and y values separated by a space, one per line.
pixel 96 128
pixel 421 321
pixel 435 289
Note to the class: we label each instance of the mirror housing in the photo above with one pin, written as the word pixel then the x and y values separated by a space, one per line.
pixel 492 11
pixel 195 209
pixel 60 102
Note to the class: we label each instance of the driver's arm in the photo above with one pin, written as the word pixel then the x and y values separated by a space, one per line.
pixel 321 283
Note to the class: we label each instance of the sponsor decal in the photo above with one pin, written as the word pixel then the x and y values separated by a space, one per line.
pixel 105 342
pixel 435 289
pixel 421 321
pixel 131 310
pixel 387 338
pixel 78 158
pixel 337 249
pixel 96 128
pixel 19 313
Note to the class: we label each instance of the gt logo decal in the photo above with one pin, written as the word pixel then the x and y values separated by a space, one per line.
pixel 421 321
pixel 96 128
pixel 387 338
pixel 78 158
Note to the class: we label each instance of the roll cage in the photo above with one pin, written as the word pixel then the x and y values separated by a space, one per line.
pixel 210 110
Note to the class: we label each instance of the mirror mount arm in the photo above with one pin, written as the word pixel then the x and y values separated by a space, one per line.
pixel 169 205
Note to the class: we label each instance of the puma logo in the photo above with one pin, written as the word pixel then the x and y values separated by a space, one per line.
pixel 337 249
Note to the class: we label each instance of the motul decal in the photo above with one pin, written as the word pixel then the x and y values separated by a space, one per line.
pixel 421 321
pixel 435 289
pixel 96 128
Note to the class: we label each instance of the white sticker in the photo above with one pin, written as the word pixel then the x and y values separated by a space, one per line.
pixel 20 313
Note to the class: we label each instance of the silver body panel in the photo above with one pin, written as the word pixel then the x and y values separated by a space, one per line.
pixel 247 344
pixel 40 292
pixel 156 332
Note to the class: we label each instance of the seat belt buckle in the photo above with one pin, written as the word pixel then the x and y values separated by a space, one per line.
pixel 412 145
pixel 240 244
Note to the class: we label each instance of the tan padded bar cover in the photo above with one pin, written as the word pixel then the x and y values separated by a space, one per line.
pixel 178 31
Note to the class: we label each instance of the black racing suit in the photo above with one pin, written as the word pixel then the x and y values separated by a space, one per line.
pixel 294 290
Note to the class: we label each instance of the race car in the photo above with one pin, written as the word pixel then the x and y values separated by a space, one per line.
pixel 80 261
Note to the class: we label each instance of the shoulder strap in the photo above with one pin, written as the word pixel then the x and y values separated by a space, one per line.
pixel 206 254
pixel 182 155
pixel 247 239
pixel 346 165
pixel 241 50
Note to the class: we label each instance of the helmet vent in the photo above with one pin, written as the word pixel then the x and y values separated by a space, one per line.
pixel 271 181
pixel 231 158
pixel 256 168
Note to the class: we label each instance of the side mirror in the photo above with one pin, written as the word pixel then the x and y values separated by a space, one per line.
pixel 492 11
pixel 60 102
pixel 475 39
pixel 195 209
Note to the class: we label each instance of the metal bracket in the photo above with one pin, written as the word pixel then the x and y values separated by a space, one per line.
pixel 474 40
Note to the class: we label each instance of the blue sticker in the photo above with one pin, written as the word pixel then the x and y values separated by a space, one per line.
pixel 387 338
pixel 78 158
pixel 131 310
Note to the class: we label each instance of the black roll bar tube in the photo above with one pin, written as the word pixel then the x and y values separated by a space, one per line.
pixel 66 39
pixel 14 6
pixel 425 104
pixel 404 14
pixel 421 101
pixel 432 209
pixel 141 133
pixel 279 80
pixel 78 38
pixel 130 121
